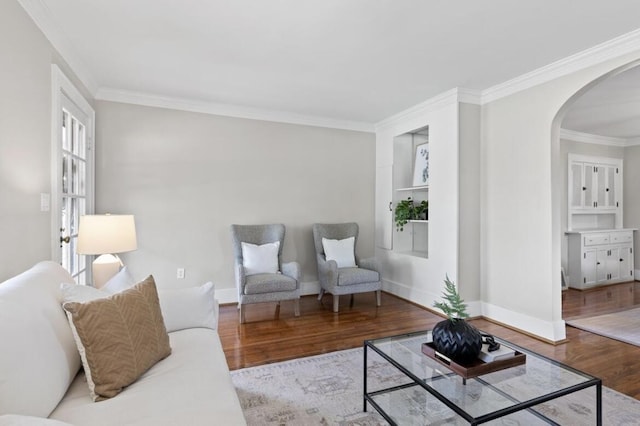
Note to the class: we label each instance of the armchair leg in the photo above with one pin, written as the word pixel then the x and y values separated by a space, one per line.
pixel 278 310
pixel 378 297
pixel 321 294
pixel 351 301
pixel 241 312
pixel 336 301
pixel 296 307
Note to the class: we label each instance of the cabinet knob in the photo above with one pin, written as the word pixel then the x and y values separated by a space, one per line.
pixel 597 263
pixel 584 188
pixel 621 260
pixel 390 206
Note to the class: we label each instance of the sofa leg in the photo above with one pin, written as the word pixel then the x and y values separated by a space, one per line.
pixel 321 294
pixel 351 301
pixel 241 312
pixel 278 310
pixel 378 297
pixel 336 302
pixel 296 307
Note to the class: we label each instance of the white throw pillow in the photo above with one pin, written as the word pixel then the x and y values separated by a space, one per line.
pixel 120 281
pixel 342 251
pixel 80 293
pixel 181 308
pixel 262 259
pixel 191 307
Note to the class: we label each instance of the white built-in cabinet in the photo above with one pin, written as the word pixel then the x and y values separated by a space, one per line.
pixel 414 239
pixel 600 250
pixel 600 257
pixel 594 186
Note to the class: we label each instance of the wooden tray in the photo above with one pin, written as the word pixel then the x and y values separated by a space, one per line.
pixel 474 368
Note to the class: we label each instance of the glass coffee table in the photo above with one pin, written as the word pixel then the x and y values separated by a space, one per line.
pixel 407 387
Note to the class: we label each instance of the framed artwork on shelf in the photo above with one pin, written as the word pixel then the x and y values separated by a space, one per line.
pixel 421 166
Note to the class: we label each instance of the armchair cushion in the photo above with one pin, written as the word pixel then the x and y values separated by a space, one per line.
pixel 268 283
pixel 350 276
pixel 342 251
pixel 260 259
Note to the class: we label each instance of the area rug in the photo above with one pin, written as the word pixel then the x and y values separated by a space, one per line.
pixel 623 326
pixel 327 390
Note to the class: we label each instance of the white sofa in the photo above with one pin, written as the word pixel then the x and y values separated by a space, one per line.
pixel 40 374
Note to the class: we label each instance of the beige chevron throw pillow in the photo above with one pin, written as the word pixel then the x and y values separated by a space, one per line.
pixel 119 337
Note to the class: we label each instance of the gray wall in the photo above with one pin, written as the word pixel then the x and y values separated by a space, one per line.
pixel 25 139
pixel 469 210
pixel 187 176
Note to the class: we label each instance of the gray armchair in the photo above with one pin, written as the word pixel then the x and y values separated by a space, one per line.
pixel 264 287
pixel 364 277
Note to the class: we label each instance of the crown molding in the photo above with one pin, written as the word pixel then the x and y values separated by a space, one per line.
pixel 41 16
pixel 575 136
pixel 610 49
pixel 449 97
pixel 633 141
pixel 228 110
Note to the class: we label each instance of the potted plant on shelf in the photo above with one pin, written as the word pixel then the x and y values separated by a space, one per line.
pixel 407 210
pixel 454 337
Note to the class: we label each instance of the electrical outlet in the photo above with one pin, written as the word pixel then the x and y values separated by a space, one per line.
pixel 180 273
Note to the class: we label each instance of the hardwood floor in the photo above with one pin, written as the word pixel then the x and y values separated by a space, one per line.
pixel 265 339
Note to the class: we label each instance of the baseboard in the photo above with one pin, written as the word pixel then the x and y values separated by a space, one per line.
pixel 230 295
pixel 545 330
pixel 425 299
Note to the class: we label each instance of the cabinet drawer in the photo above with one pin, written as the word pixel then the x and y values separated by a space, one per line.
pixel 622 237
pixel 595 239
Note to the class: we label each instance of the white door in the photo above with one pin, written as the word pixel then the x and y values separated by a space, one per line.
pixel 73 186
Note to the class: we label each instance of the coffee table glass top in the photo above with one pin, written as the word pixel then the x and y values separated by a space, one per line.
pixel 491 395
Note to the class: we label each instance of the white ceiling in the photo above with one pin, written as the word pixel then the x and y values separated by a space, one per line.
pixel 353 60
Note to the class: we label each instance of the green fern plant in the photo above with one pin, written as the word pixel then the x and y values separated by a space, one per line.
pixel 453 306
pixel 406 210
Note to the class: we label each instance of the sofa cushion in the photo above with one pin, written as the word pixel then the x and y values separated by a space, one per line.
pixel 190 387
pixel 119 337
pixel 350 276
pixel 38 356
pixel 268 283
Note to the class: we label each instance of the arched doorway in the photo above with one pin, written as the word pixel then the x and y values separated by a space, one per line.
pixel 592 124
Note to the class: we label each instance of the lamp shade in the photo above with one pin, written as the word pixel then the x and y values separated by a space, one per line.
pixel 102 234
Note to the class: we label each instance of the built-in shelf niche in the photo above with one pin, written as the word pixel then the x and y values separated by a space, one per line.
pixel 414 239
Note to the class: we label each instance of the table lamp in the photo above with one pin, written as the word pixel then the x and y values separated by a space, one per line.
pixel 106 235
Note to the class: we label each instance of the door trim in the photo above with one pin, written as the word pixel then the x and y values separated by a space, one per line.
pixel 62 86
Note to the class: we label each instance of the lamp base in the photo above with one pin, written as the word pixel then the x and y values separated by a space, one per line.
pixel 104 268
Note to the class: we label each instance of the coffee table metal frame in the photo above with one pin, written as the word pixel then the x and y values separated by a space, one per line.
pixel 589 381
